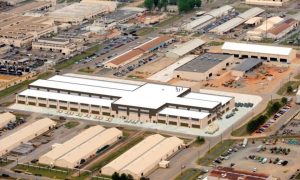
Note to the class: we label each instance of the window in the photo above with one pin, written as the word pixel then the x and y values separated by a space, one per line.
pixel 73 109
pixel 184 124
pixel 42 105
pixel 173 123
pixel 52 106
pixel 106 113
pixel 95 112
pixel 84 110
pixel 195 126
pixel 21 102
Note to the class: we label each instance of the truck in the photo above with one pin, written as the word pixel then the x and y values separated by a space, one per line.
pixel 245 142
pixel 259 148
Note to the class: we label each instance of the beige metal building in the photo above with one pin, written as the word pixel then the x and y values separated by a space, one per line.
pixel 144 157
pixel 25 134
pixel 204 67
pixel 283 29
pixel 267 2
pixel 264 52
pixel 185 48
pixel 82 147
pixel 5 118
pixel 62 45
pixel 22 30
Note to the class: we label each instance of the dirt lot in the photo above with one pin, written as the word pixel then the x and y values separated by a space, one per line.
pixel 242 161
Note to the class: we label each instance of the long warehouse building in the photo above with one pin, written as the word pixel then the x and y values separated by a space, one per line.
pixel 264 52
pixel 5 118
pixel 240 19
pixel 25 134
pixel 80 148
pixel 144 157
pixel 208 18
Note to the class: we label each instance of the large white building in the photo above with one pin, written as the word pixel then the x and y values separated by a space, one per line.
pixel 125 100
pixel 25 134
pixel 267 2
pixel 264 52
pixel 185 48
pixel 144 157
pixel 77 150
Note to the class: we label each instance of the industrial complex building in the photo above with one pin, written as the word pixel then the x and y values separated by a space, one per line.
pixel 77 150
pixel 208 18
pixel 62 45
pixel 144 157
pixel 240 19
pixel 264 52
pixel 204 67
pixel 5 118
pixel 267 2
pixel 144 102
pixel 78 12
pixel 19 31
pixel 139 51
pixel 185 48
pixel 246 66
pixel 25 134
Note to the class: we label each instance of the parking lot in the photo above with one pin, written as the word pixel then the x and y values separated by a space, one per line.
pixel 276 157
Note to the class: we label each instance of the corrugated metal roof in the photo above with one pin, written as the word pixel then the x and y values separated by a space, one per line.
pixel 247 64
pixel 255 48
pixel 5 118
pixel 187 47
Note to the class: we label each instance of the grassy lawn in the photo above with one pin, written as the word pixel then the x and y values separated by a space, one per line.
pixel 71 124
pixel 144 31
pixel 283 89
pixel 215 152
pixel 168 21
pixel 242 131
pixel 4 163
pixel 298 176
pixel 22 85
pixel 189 174
pixel 86 70
pixel 78 57
pixel 215 43
pixel 116 154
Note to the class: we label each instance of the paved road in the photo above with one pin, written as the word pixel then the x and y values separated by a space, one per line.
pixel 21 176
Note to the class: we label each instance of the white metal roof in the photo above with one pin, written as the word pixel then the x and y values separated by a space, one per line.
pixel 199 21
pixel 184 113
pixel 255 48
pixel 251 13
pixel 187 47
pixel 209 97
pixel 63 149
pixel 92 82
pixel 80 88
pixel 67 97
pixel 220 11
pixel 25 134
pixel 132 154
pixel 89 147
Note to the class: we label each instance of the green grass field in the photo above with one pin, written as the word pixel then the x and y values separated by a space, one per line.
pixel 71 124
pixel 283 89
pixel 189 174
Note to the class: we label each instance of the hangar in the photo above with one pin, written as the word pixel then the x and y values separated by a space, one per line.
pixel 5 118
pixel 185 48
pixel 247 65
pixel 203 67
pixel 264 52
pixel 144 157
pixel 77 150
pixel 122 99
pixel 25 134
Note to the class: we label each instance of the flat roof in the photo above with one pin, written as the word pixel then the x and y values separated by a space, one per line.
pixel 124 13
pixel 184 113
pixel 122 58
pixel 209 97
pixel 67 97
pixel 92 82
pixel 153 43
pixel 187 46
pixel 247 64
pixel 25 134
pixel 80 88
pixel 203 63
pixel 256 48
pixel 5 118
pixel 220 11
pixel 199 21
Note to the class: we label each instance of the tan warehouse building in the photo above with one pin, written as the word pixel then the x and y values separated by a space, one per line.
pixel 77 150
pixel 267 2
pixel 25 134
pixel 204 67
pixel 144 157
pixel 61 45
pixel 5 118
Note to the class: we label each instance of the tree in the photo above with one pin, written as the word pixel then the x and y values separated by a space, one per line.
pixel 163 4
pixel 198 3
pixel 115 176
pixel 200 140
pixel 123 177
pixel 129 177
pixel 156 3
pixel 289 89
pixel 148 4
pixel 284 100
pixel 183 5
pixel 191 4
